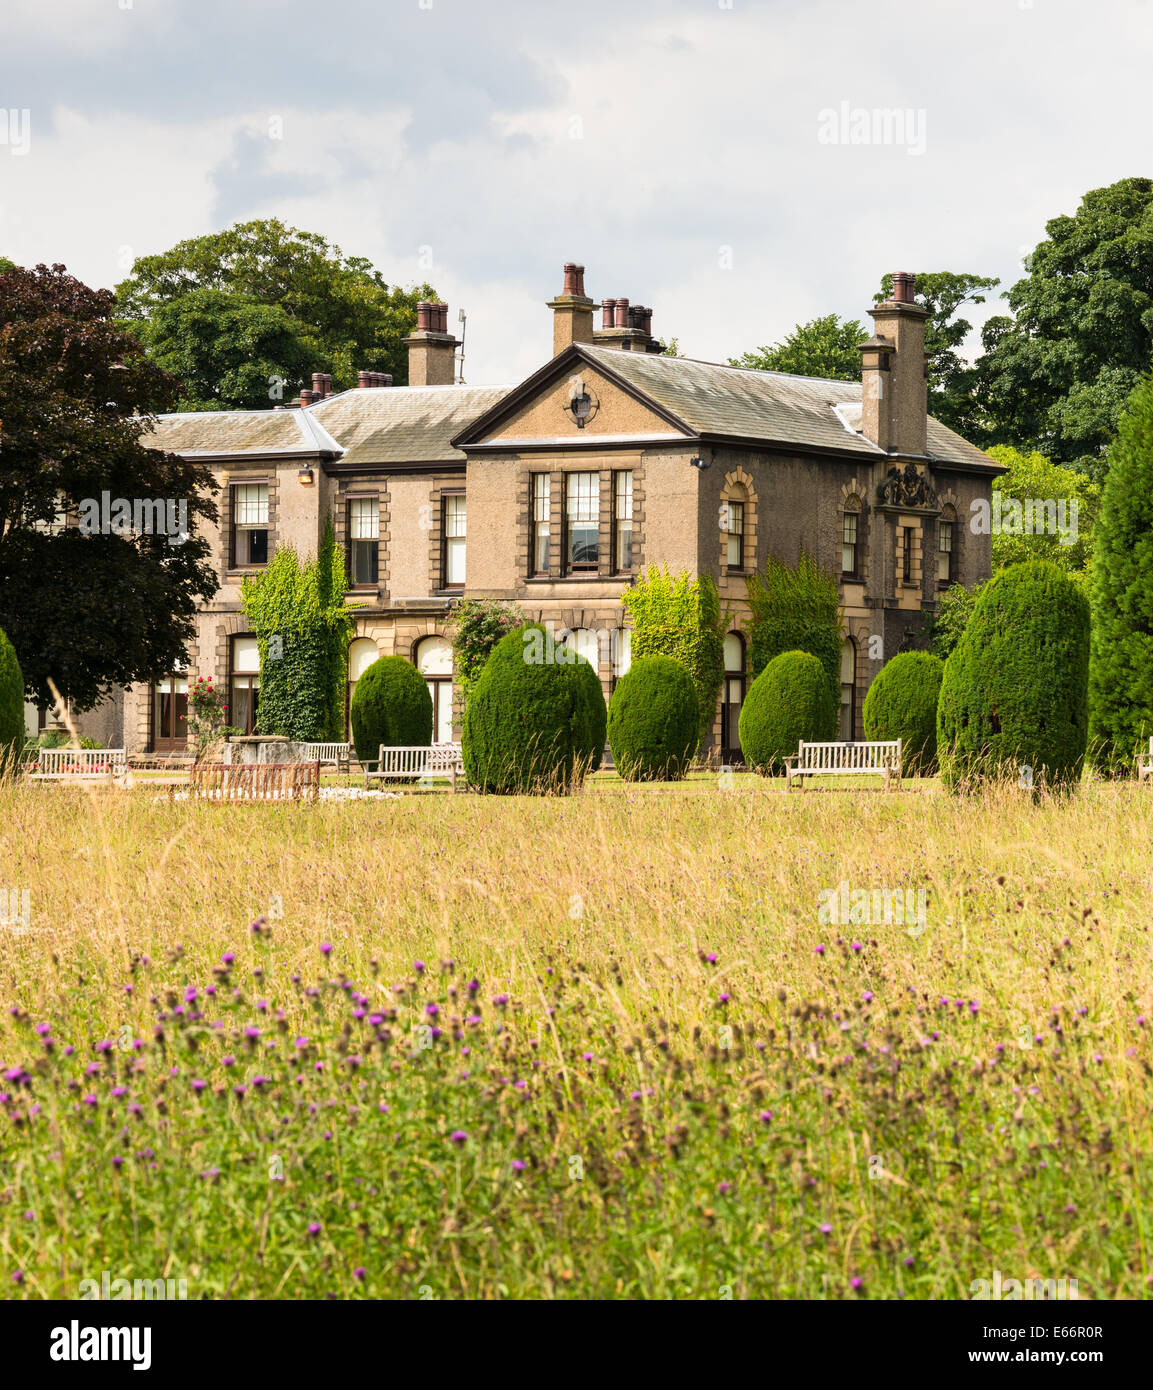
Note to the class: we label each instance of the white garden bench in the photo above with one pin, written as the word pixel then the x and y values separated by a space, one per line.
pixel 414 760
pixel 335 754
pixel 1145 763
pixel 77 765
pixel 845 759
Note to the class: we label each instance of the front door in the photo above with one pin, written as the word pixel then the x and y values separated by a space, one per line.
pixel 170 714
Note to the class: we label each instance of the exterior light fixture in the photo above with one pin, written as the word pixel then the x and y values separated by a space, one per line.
pixel 304 477
pixel 701 463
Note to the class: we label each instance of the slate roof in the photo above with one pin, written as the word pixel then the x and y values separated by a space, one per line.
pixel 200 432
pixel 402 424
pixel 767 407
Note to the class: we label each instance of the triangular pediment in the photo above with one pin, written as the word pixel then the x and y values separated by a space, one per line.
pixel 548 409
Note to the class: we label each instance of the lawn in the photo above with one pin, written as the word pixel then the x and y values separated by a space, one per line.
pixel 599 1046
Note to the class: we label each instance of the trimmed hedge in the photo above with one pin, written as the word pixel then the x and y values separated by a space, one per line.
pixel 1121 657
pixel 654 721
pixel 11 706
pixel 902 703
pixel 789 701
pixel 1015 690
pixel 390 705
pixel 536 719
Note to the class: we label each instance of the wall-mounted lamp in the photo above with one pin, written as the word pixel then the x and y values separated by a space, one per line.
pixel 304 477
pixel 701 463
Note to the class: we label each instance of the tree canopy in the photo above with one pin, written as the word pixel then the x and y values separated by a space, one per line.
pixel 101 610
pixel 1056 376
pixel 243 317
pixel 824 347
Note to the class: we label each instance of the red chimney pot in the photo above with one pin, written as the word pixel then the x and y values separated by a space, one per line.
pixel 574 279
pixel 622 315
pixel 904 283
pixel 423 316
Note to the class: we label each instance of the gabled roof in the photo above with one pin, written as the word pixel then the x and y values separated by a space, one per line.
pixel 402 424
pixel 710 401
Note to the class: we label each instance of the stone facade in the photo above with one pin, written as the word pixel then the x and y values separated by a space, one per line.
pixel 700 445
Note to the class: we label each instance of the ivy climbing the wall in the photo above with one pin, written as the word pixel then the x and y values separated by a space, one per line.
pixel 302 625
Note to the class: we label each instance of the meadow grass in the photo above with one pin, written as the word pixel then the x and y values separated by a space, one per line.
pixel 631 1062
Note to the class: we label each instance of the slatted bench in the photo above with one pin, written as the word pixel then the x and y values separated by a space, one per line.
pixel 1145 763
pixel 415 761
pixel 77 765
pixel 845 759
pixel 329 754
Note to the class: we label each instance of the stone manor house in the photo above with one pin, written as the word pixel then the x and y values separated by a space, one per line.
pixel 556 492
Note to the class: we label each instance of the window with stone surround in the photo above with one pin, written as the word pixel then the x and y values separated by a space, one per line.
pixel 244 683
pixel 850 541
pixel 248 545
pixel 622 522
pixel 541 535
pixel 946 547
pixel 582 523
pixel 363 541
pixel 454 525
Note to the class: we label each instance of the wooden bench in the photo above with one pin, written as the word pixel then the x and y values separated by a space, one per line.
pixel 77 765
pixel 416 761
pixel 255 781
pixel 1145 762
pixel 845 759
pixel 331 754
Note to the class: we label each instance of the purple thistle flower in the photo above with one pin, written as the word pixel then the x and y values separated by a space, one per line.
pixel 358 1272
pixel 418 966
pixel 501 1000
pixel 314 1228
pixel 766 1116
pixel 228 1061
pixel 301 1042
pixel 458 1136
pixel 326 948
pixel 856 1282
pixel 199 1085
pixel 118 1091
pixel 42 1028
pixel 820 950
pixel 431 1010
pixel 711 958
pixel 228 957
pixel 857 946
pixel 117 1161
pixel 518 1165
pixel 826 1229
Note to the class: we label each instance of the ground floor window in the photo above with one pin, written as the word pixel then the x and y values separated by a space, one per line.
pixel 434 662
pixel 244 696
pixel 732 697
pixel 170 713
pixel 361 654
pixel 848 690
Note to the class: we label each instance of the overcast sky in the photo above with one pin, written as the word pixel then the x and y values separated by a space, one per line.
pixel 682 150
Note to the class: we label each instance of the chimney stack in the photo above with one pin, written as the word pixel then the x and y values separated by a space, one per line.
pixel 894 391
pixel 306 396
pixel 622 326
pixel 431 349
pixel 572 311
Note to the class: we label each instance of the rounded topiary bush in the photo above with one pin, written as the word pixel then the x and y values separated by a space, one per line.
pixel 390 705
pixel 789 701
pixel 902 703
pixel 654 721
pixel 11 707
pixel 1015 689
pixel 536 718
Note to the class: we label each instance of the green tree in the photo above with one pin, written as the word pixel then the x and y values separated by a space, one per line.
pixel 99 611
pixel 1034 478
pixel 1121 665
pixel 789 701
pixel 1057 374
pixel 11 707
pixel 952 381
pixel 477 625
pixel 536 721
pixel 795 608
pixel 954 609
pixel 654 721
pixel 1015 690
pixel 681 617
pixel 902 703
pixel 303 627
pixel 824 348
pixel 244 316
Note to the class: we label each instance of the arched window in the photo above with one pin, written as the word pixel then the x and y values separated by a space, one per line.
pixel 947 546
pixel 851 539
pixel 848 690
pixel 433 658
pixel 733 529
pixel 170 712
pixel 361 654
pixel 244 684
pixel 621 653
pixel 733 697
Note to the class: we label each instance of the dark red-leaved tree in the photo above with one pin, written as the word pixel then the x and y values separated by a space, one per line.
pixel 90 610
